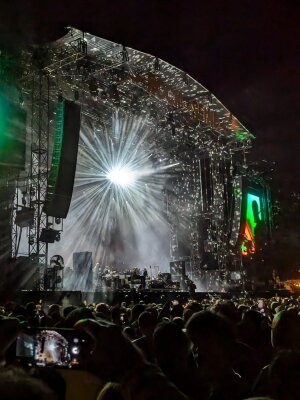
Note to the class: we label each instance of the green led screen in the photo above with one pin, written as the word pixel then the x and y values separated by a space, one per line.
pixel 253 217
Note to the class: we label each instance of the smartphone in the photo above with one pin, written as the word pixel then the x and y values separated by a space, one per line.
pixel 52 347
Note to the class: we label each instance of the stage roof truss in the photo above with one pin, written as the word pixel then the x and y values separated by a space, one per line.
pixel 78 58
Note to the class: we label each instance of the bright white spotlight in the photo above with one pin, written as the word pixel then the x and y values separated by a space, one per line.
pixel 121 176
pixel 75 350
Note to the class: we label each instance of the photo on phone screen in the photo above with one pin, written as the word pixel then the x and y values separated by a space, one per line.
pixel 49 347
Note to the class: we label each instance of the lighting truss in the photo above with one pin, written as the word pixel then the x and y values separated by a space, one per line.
pixel 39 169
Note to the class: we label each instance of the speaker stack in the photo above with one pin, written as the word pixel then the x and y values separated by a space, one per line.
pixel 178 273
pixel 59 204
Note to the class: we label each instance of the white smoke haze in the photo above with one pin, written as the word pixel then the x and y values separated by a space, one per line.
pixel 121 226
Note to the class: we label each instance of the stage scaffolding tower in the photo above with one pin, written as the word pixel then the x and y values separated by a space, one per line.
pixel 42 82
pixel 40 119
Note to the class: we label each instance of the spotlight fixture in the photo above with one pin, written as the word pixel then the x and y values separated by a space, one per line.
pixel 121 176
pixel 25 217
pixel 49 235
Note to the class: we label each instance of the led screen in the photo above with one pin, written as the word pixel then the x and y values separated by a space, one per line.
pixel 253 218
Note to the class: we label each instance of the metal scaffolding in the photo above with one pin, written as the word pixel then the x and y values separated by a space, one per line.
pixel 40 116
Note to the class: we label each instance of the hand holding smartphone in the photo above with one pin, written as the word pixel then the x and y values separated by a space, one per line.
pixel 45 347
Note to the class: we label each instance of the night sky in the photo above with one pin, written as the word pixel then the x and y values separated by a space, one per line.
pixel 246 53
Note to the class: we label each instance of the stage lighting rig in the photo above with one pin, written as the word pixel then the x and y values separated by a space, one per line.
pixel 142 106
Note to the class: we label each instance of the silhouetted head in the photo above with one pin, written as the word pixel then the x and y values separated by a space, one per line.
pixel 15 384
pixel 115 314
pixel 78 314
pixel 53 379
pixel 147 323
pixel 54 309
pixel 212 337
pixel 250 327
pixel 30 309
pixel 129 332
pixel 286 330
pixel 228 310
pixel 110 391
pixel 137 309
pixel 67 310
pixel 104 309
pixel 172 348
pixel 177 311
pixel 284 376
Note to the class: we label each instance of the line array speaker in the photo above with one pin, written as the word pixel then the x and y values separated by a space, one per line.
pixel 60 200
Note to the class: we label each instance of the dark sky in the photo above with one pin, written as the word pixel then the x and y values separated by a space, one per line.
pixel 245 52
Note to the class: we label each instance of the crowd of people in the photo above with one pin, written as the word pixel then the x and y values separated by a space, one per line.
pixel 211 349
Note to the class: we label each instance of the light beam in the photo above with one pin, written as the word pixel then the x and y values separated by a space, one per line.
pixel 118 206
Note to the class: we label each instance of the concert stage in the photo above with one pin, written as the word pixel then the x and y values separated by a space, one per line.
pixel 148 170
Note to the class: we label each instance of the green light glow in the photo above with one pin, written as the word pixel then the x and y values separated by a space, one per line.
pixel 253 215
pixel 5 142
pixel 12 132
pixel 242 135
pixel 7 67
pixel 250 218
